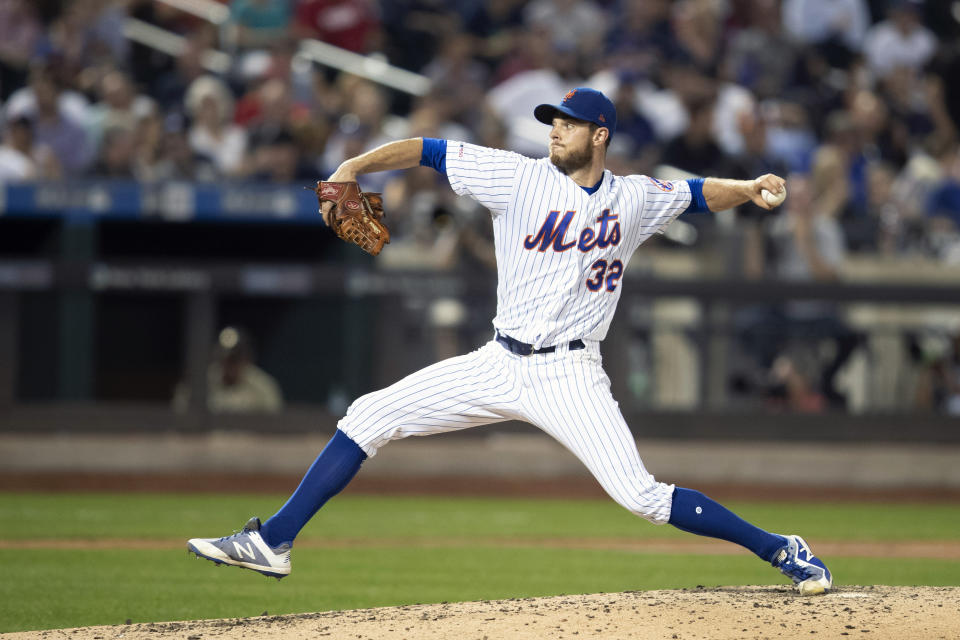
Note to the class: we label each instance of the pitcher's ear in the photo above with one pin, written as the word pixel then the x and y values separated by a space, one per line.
pixel 601 135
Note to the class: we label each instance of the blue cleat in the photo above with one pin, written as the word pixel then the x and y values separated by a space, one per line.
pixel 806 570
pixel 245 549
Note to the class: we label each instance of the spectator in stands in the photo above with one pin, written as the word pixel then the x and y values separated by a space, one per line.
pixel 20 33
pixel 23 101
pixel 117 154
pixel 747 60
pixel 87 34
pixel 269 110
pixel 496 25
pixel 178 160
pixel 899 41
pixel 213 134
pixel 696 150
pixel 848 151
pixel 946 67
pixel 360 128
pixel 756 158
pixel 732 102
pixel 698 31
pixel 880 136
pixel 793 385
pixel 20 159
pixel 353 25
pixel 106 30
pixel 415 30
pixel 430 118
pixel 899 230
pixel 686 86
pixel 170 89
pixel 16 153
pixel 835 27
pixel 148 159
pixel 120 106
pixel 943 205
pixel 632 125
pixel 279 160
pixel 790 135
pixel 54 128
pixel 532 52
pixel 640 38
pixel 564 22
pixel 234 383
pixel 917 106
pixel 459 81
pixel 257 23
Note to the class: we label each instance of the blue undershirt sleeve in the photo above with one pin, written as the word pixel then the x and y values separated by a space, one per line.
pixel 434 154
pixel 697 202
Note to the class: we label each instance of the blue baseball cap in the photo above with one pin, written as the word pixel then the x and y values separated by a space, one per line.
pixel 581 103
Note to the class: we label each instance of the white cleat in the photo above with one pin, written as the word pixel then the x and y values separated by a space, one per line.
pixel 807 571
pixel 245 549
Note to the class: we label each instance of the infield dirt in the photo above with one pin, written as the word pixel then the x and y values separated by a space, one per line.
pixel 725 613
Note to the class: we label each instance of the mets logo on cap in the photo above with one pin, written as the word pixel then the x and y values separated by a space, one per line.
pixel 570 95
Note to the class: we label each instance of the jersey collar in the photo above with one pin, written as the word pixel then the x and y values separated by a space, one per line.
pixel 592 190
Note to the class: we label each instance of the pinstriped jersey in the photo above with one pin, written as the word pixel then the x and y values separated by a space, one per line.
pixel 561 252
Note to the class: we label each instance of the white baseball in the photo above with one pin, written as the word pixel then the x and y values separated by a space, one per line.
pixel 773 199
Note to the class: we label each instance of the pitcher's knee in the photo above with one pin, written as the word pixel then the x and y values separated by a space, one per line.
pixel 372 438
pixel 651 502
pixel 368 425
pixel 375 419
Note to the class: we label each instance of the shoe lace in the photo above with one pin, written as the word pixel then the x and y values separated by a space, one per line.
pixel 791 568
pixel 233 535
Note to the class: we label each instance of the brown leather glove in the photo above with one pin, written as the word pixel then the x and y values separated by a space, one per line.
pixel 355 216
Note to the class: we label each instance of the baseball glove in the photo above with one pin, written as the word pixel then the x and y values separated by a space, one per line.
pixel 355 216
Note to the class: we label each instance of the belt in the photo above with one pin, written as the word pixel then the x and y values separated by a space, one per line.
pixel 524 349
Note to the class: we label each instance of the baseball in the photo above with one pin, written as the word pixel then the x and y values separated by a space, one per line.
pixel 773 199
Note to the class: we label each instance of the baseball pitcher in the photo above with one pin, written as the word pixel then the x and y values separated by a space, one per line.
pixel 564 231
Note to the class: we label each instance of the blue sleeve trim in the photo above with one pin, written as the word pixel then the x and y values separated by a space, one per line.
pixel 697 202
pixel 434 154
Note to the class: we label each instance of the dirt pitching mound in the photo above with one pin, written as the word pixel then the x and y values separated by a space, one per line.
pixel 722 613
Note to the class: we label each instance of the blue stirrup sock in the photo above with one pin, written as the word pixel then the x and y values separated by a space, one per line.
pixel 328 475
pixel 694 512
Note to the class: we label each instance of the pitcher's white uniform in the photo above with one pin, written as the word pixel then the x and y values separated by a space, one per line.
pixel 561 256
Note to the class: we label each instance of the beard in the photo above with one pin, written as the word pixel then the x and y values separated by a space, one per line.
pixel 570 160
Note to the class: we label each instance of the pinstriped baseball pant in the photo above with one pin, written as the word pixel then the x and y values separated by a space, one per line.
pixel 565 393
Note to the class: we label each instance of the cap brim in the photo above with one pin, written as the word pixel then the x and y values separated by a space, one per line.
pixel 545 113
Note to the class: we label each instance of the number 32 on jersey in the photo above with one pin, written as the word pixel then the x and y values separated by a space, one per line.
pixel 605 275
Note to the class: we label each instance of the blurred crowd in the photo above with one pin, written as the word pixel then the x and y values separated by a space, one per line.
pixel 855 101
pixel 855 95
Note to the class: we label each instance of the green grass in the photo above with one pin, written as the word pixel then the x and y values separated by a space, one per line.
pixel 51 516
pixel 64 588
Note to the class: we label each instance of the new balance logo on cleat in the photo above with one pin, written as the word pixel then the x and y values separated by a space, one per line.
pixel 808 572
pixel 246 549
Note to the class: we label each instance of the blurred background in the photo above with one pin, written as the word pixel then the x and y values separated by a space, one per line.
pixel 170 302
